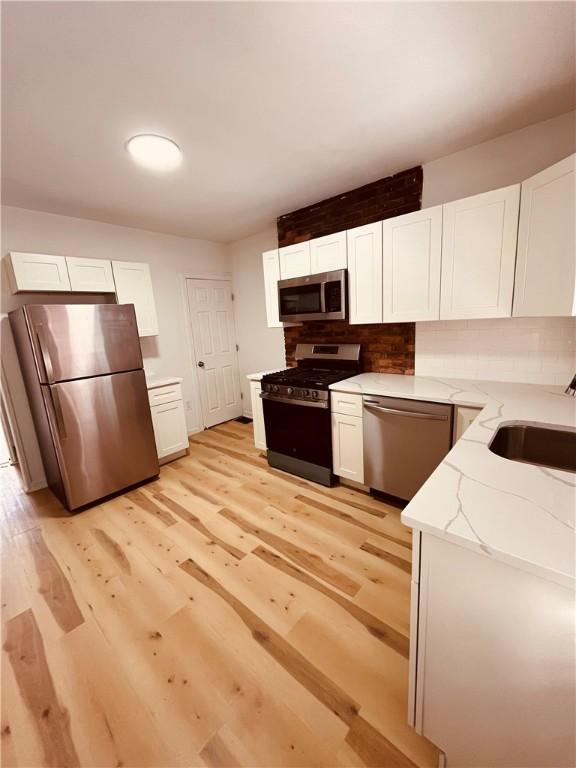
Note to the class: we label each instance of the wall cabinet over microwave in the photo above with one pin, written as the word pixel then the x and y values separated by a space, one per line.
pixel 503 252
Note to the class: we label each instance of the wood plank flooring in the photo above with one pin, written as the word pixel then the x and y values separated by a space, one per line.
pixel 224 615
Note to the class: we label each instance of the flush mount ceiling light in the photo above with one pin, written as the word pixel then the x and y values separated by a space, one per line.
pixel 157 153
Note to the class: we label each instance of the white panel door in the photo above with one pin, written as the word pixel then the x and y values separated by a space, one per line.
pixel 412 253
pixel 214 335
pixel 90 275
pixel 170 430
pixel 347 447
pixel 37 272
pixel 546 260
pixel 271 268
pixel 365 273
pixel 134 286
pixel 478 255
pixel 295 260
pixel 328 253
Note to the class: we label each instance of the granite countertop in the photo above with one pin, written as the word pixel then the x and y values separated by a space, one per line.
pixel 165 381
pixel 519 513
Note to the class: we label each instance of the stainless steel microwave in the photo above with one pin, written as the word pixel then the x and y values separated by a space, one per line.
pixel 313 297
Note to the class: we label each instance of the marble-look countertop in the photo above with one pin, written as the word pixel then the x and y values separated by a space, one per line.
pixel 154 383
pixel 519 513
pixel 258 376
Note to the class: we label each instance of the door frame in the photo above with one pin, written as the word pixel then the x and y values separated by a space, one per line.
pixel 224 276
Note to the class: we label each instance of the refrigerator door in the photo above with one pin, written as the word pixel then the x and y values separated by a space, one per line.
pixel 103 435
pixel 73 341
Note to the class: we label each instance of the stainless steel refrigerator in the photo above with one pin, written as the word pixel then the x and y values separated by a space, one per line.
pixel 83 371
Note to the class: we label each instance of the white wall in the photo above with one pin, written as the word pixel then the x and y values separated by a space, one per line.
pixel 527 349
pixel 261 348
pixel 169 257
pixel 509 159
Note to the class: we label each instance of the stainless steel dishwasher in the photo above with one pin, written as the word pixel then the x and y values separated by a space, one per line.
pixel 404 441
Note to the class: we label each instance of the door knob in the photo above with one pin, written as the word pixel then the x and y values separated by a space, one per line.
pixel 201 364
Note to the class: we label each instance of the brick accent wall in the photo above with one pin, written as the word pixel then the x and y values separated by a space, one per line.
pixel 386 348
pixel 382 199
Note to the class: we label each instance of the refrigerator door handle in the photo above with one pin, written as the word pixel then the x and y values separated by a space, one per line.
pixel 46 360
pixel 58 414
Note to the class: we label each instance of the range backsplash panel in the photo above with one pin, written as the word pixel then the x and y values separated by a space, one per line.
pixel 387 347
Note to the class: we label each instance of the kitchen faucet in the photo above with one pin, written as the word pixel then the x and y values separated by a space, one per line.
pixel 571 388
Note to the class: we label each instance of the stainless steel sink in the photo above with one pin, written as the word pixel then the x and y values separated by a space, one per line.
pixel 546 446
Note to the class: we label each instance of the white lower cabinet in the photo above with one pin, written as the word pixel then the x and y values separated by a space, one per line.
pixel 169 421
pixel 347 436
pixel 258 415
pixel 491 660
pixel 463 418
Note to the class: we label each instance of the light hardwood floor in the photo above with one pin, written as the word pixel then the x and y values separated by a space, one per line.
pixel 224 615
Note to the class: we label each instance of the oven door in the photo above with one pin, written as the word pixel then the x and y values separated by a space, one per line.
pixel 313 297
pixel 299 438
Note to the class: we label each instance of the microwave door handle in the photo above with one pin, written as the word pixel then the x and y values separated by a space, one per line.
pixel 323 285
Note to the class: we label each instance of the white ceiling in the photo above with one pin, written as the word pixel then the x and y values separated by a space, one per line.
pixel 275 105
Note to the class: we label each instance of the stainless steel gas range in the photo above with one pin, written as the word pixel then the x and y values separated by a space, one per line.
pixel 296 405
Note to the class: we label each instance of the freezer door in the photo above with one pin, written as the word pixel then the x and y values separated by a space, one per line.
pixel 103 435
pixel 72 341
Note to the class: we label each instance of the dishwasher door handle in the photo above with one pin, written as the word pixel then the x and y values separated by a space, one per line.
pixel 410 414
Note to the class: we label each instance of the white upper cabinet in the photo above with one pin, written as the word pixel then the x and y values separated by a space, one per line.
pixel 134 286
pixel 365 273
pixel 412 253
pixel 295 260
pixel 271 267
pixel 328 253
pixel 479 254
pixel 90 275
pixel 37 272
pixel 546 260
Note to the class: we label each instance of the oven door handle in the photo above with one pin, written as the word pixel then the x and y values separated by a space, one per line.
pixel 410 414
pixel 292 401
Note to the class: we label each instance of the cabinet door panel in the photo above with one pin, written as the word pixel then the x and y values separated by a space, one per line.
pixel 328 253
pixel 258 416
pixel 134 286
pixel 365 273
pixel 546 260
pixel 170 429
pixel 478 255
pixel 347 447
pixel 90 275
pixel 271 268
pixel 412 249
pixel 295 260
pixel 37 272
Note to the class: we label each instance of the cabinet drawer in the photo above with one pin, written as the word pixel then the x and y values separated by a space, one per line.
pixel 167 394
pixel 348 405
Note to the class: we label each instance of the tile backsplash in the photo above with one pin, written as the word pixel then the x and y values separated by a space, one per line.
pixel 534 350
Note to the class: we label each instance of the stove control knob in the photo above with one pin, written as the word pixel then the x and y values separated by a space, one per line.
pixel 305 393
pixel 314 393
pixel 289 391
pixel 275 388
